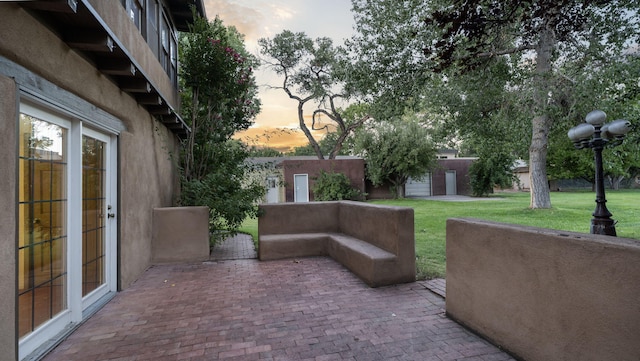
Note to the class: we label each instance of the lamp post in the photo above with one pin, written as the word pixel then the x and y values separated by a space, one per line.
pixel 595 134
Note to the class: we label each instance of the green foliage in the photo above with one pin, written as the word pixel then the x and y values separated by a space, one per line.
pixel 489 171
pixel 330 186
pixel 219 97
pixel 396 151
pixel 219 93
pixel 614 89
pixel 222 190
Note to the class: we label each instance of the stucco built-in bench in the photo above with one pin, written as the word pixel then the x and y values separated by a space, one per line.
pixel 375 242
pixel 543 294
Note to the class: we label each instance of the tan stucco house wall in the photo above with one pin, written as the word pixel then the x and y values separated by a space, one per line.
pixel 39 66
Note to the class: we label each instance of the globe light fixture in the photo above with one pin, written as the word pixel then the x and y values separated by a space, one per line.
pixel 595 134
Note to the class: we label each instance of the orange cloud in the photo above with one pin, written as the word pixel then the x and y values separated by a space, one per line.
pixel 281 139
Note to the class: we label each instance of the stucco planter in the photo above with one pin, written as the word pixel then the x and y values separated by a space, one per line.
pixel 180 234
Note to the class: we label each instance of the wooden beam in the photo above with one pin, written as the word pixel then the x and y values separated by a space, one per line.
pixel 135 85
pixel 149 99
pixel 159 110
pixel 91 40
pixel 174 127
pixel 117 67
pixel 59 6
pixel 170 119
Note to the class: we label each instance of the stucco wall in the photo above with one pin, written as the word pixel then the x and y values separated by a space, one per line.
pixel 313 217
pixel 147 170
pixel 8 161
pixel 544 294
pixel 180 234
pixel 438 176
pixel 148 179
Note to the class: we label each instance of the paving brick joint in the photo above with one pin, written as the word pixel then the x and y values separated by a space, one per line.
pixel 244 309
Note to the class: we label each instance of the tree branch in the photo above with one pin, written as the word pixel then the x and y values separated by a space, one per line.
pixel 491 54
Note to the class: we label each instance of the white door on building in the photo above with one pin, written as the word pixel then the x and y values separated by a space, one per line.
pixel 272 189
pixel 450 179
pixel 301 188
pixel 67 238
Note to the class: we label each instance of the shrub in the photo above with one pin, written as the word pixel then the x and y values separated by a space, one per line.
pixel 330 186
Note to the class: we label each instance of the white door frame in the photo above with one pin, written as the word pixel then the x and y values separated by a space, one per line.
pixel 111 221
pixel 296 184
pixel 75 303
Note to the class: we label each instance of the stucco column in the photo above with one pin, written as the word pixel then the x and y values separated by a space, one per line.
pixel 8 305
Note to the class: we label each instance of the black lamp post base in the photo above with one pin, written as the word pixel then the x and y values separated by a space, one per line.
pixel 603 226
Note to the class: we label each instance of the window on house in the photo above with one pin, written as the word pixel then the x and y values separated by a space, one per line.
pixel 134 10
pixel 173 72
pixel 152 26
pixel 164 43
pixel 168 49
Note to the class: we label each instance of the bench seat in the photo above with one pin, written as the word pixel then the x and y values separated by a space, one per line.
pixel 281 246
pixel 374 242
pixel 364 259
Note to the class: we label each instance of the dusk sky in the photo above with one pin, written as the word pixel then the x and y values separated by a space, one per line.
pixel 265 18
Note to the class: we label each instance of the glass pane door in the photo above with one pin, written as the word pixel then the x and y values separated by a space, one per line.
pixel 66 230
pixel 42 233
pixel 94 211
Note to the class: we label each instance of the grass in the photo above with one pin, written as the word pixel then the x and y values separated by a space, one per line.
pixel 250 226
pixel 571 211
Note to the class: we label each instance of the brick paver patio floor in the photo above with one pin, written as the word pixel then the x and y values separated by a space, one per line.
pixel 305 309
pixel 239 246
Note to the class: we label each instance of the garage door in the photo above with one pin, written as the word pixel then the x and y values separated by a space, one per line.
pixel 418 187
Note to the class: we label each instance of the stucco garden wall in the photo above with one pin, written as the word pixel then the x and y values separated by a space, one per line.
pixel 180 234
pixel 543 294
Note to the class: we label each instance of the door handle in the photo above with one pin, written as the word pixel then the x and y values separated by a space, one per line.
pixel 111 215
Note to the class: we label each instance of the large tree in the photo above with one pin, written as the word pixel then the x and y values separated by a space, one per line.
pixel 314 74
pixel 535 38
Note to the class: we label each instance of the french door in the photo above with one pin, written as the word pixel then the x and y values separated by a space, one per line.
pixel 66 237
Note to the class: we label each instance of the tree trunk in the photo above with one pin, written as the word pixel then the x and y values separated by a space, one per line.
pixel 541 123
pixel 307 132
pixel 540 195
pixel 614 182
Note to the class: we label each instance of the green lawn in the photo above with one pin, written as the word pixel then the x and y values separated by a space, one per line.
pixel 571 212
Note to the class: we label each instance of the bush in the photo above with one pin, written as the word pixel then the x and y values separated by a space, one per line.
pixel 222 190
pixel 489 172
pixel 330 186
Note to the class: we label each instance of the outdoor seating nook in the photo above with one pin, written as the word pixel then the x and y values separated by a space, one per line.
pixel 375 242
